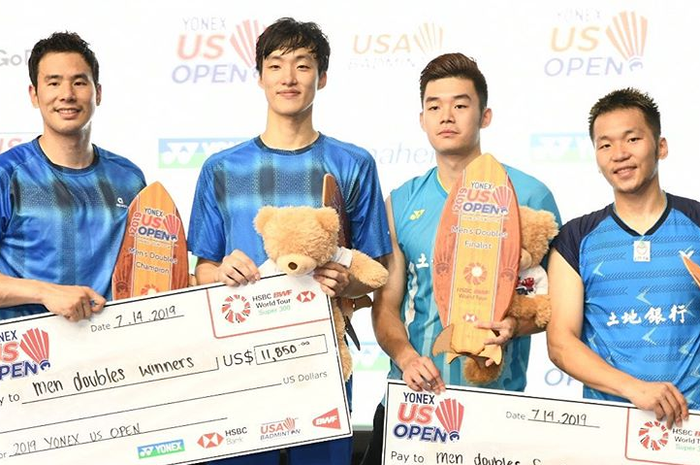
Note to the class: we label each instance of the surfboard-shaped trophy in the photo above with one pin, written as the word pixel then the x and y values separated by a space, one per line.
pixel 476 257
pixel 153 255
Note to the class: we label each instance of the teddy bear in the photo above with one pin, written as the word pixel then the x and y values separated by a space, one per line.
pixel 300 239
pixel 530 300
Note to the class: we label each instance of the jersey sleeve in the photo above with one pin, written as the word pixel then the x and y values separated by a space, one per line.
pixel 206 237
pixel 568 242
pixel 5 202
pixel 543 199
pixel 367 213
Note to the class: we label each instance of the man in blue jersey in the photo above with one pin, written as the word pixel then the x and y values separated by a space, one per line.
pixel 626 313
pixel 406 322
pixel 284 166
pixel 63 200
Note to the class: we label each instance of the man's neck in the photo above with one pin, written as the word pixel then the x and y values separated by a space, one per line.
pixel 451 167
pixel 641 211
pixel 69 151
pixel 289 133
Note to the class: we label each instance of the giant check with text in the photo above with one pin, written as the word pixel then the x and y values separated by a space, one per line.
pixel 178 377
pixel 484 427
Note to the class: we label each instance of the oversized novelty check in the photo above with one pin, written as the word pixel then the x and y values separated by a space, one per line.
pixel 179 378
pixel 484 427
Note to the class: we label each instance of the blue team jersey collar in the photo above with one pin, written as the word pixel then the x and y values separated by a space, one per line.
pixel 261 145
pixel 654 228
pixel 65 169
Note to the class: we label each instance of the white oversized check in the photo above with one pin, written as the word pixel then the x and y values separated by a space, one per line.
pixel 174 378
pixel 485 427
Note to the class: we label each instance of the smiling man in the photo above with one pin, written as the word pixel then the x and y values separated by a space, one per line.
pixel 283 166
pixel 63 200
pixel 625 311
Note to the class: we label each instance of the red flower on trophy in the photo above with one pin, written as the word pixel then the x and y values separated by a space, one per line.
pixel 475 273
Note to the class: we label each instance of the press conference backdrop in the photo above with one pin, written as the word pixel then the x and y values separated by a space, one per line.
pixel 179 83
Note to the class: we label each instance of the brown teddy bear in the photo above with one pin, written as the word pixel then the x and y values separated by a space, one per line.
pixel 300 239
pixel 530 300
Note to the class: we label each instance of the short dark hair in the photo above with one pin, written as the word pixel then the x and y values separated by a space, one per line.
pixel 288 34
pixel 455 65
pixel 62 42
pixel 626 99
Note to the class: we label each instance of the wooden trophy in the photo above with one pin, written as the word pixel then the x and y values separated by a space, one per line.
pixel 153 255
pixel 476 258
pixel 333 197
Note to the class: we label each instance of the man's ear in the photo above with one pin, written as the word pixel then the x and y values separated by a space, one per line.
pixel 98 95
pixel 322 79
pixel 486 118
pixel 32 95
pixel 662 152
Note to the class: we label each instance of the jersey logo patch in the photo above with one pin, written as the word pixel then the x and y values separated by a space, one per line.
pixel 416 214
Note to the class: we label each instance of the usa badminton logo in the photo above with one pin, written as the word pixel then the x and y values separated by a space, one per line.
pixel 34 344
pixel 235 309
pixel 420 419
pixel 280 428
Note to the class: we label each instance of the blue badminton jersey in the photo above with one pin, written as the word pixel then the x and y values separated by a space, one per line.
pixel 63 225
pixel 641 315
pixel 236 183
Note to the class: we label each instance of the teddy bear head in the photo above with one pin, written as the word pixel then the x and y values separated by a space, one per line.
pixel 298 239
pixel 537 229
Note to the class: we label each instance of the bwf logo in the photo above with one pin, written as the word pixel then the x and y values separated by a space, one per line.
pixel 329 419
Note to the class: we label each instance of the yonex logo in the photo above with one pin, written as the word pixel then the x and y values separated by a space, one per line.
pixel 416 214
pixel 163 448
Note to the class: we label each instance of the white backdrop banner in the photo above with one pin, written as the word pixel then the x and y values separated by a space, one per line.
pixel 179 83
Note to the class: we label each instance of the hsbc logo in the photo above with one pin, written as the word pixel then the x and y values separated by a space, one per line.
pixel 328 420
pixel 305 296
pixel 210 440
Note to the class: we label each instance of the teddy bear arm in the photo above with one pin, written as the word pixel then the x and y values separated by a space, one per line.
pixel 367 270
pixel 536 308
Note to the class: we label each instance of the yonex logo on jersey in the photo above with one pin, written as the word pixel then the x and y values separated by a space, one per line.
pixel 416 214
pixel 120 203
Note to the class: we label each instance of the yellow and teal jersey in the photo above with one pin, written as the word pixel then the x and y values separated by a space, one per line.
pixel 417 208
